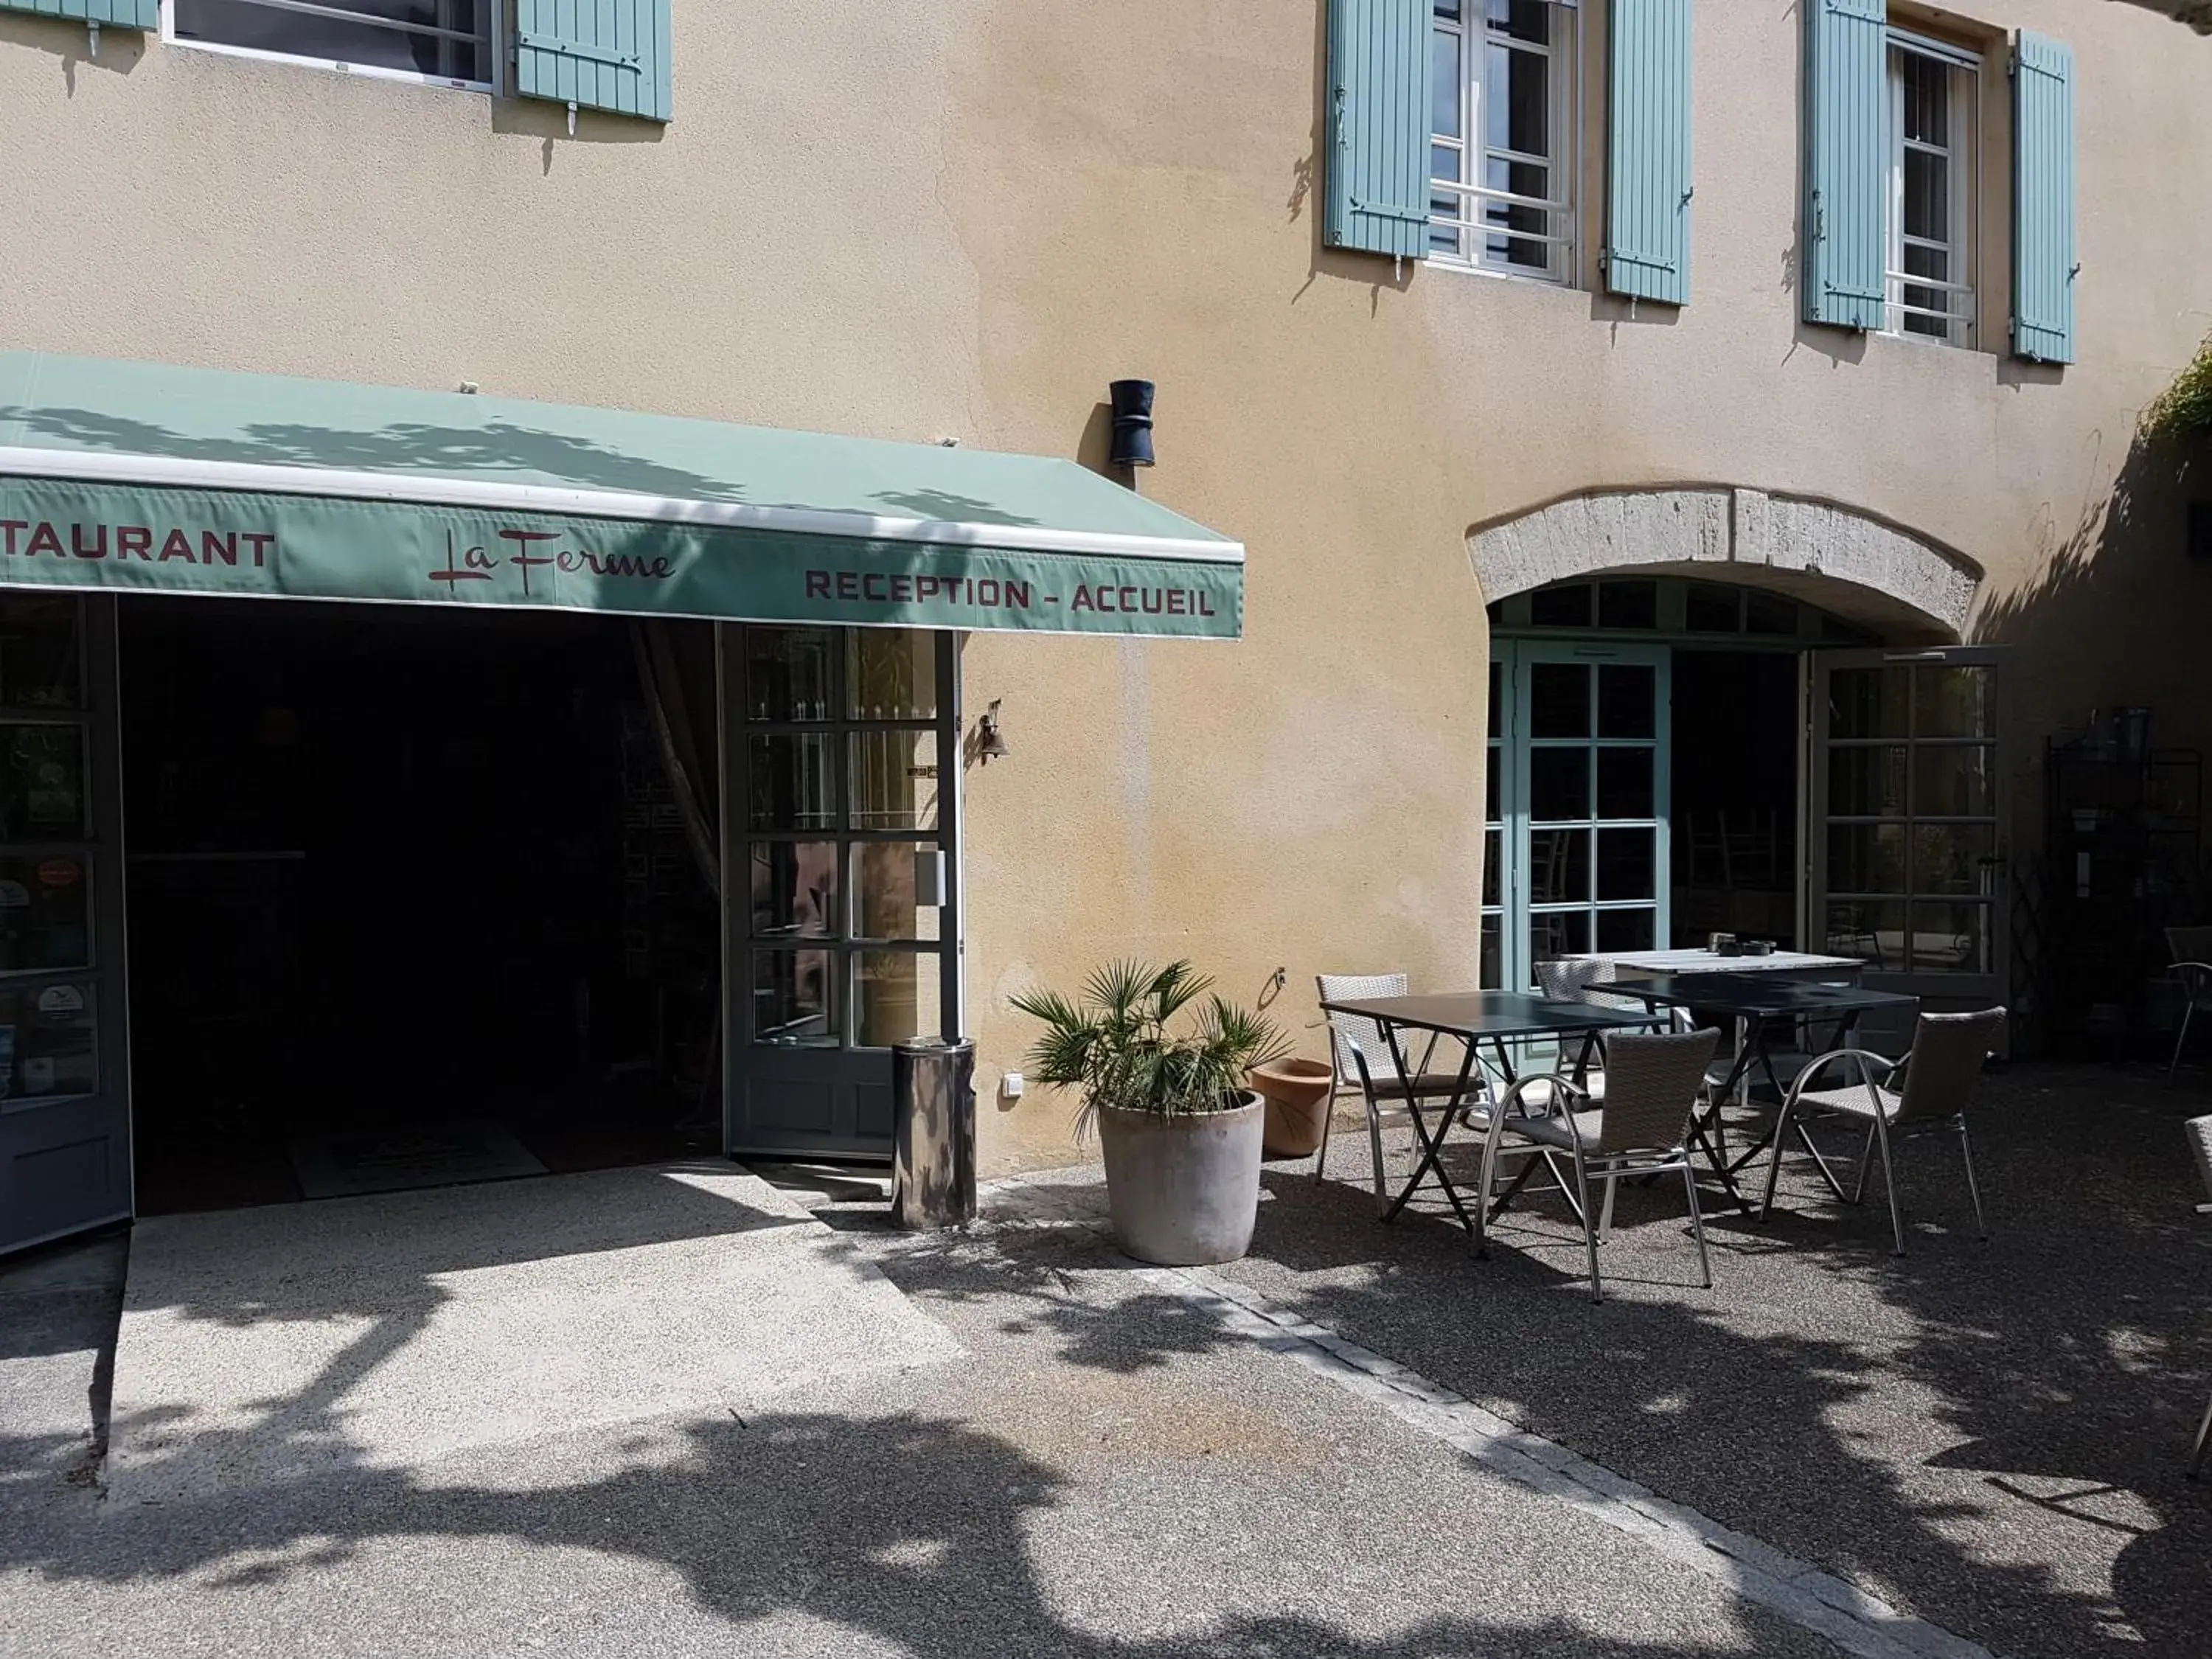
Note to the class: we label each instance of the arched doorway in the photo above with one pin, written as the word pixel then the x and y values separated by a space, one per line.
pixel 1721 711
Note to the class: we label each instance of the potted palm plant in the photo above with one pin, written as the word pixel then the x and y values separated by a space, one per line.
pixel 1180 1131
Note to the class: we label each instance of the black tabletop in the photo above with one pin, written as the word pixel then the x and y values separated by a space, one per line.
pixel 1479 1014
pixel 1758 994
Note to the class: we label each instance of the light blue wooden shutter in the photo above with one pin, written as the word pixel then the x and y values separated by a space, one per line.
pixel 2043 266
pixel 1846 140
pixel 109 14
pixel 594 54
pixel 1647 224
pixel 1377 127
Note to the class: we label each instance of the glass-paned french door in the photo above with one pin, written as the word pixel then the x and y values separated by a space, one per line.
pixel 1907 806
pixel 843 748
pixel 1578 835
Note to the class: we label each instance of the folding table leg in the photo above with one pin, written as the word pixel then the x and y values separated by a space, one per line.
pixel 1432 1147
pixel 1432 1150
pixel 1720 1165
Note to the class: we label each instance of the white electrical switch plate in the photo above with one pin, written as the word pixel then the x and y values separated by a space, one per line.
pixel 1011 1086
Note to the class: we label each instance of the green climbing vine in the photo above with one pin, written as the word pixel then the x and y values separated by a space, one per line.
pixel 2183 408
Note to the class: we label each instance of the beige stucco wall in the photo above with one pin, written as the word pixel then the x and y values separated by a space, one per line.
pixel 963 218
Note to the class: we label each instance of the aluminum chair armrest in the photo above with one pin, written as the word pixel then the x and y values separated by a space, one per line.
pixel 1871 1067
pixel 2195 977
pixel 1560 1084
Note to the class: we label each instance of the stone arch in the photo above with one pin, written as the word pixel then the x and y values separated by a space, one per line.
pixel 1905 585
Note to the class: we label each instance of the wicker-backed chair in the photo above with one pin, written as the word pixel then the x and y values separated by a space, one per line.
pixel 1939 1077
pixel 1642 1128
pixel 1570 979
pixel 1584 979
pixel 1382 1089
pixel 2199 1131
pixel 2191 948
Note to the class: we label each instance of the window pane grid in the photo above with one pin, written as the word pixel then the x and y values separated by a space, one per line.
pixel 1910 887
pixel 446 40
pixel 845 843
pixel 1927 278
pixel 1519 94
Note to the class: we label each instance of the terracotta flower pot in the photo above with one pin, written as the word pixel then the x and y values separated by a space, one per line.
pixel 1297 1093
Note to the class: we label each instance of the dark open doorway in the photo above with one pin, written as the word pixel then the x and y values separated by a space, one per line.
pixel 1735 787
pixel 398 874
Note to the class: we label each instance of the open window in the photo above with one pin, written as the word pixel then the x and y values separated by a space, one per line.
pixel 445 42
pixel 1503 119
pixel 1934 129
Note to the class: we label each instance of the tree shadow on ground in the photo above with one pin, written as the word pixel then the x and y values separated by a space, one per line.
pixel 914 1532
pixel 1989 1434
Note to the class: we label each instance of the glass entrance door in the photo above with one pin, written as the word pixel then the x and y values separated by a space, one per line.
pixel 64 1104
pixel 1907 787
pixel 843 755
pixel 1582 753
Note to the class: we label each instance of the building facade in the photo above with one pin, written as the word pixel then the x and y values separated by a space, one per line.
pixel 1438 426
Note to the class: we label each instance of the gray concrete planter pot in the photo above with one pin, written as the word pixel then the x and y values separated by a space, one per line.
pixel 1184 1191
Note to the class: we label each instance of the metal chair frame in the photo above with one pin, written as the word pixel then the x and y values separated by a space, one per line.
pixel 1344 1042
pixel 2199 1130
pixel 1610 1164
pixel 1893 1112
pixel 2196 979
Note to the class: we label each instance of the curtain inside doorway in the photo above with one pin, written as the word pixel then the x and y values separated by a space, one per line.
pixel 676 672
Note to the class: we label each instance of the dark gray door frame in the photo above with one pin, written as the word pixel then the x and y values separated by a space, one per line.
pixel 822 1099
pixel 65 1163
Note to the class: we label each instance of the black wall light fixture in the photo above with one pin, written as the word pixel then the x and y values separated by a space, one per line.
pixel 1133 423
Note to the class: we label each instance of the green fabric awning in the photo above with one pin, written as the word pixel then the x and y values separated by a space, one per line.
pixel 135 476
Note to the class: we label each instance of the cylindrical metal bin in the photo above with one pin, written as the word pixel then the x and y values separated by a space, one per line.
pixel 933 1132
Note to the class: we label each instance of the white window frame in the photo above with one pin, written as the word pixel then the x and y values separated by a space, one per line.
pixel 1562 212
pixel 1963 85
pixel 495 48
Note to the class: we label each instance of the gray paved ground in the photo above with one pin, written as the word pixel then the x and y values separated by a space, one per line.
pixel 1989 1435
pixel 1107 1472
pixel 387 1330
pixel 57 1315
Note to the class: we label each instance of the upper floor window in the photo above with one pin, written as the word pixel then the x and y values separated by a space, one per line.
pixel 448 41
pixel 1503 81
pixel 1933 131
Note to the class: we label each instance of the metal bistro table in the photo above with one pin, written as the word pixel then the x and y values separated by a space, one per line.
pixel 1475 1017
pixel 1759 1003
pixel 1790 964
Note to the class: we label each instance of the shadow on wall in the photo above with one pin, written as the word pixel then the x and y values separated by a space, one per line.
pixel 2119 615
pixel 547 123
pixel 2197 14
pixel 1309 178
pixel 71 42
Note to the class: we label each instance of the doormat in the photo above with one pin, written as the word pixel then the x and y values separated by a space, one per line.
pixel 390 1161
